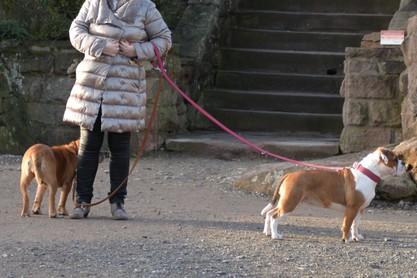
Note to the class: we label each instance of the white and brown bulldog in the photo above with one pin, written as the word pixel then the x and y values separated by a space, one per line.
pixel 352 188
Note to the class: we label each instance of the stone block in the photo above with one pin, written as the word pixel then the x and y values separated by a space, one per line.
pixel 412 81
pixel 32 87
pixel 409 49
pixel 371 40
pixel 408 150
pixel 370 86
pixel 4 84
pixel 396 188
pixel 62 134
pixel 410 131
pixel 355 112
pixel 400 19
pixel 358 138
pixel 195 30
pixel 64 59
pixel 403 82
pixel 408 113
pixel 412 24
pixel 204 2
pixel 56 89
pixel 36 63
pixel 44 115
pixel 384 113
pixel 368 67
pixel 382 54
pixel 393 67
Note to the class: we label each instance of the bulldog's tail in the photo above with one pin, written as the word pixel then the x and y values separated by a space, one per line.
pixel 274 198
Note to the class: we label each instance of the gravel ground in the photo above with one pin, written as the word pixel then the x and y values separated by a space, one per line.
pixel 187 220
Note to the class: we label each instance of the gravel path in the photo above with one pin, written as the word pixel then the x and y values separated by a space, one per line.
pixel 187 220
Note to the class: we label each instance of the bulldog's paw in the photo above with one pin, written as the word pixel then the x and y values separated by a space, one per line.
pixel 357 237
pixel 276 236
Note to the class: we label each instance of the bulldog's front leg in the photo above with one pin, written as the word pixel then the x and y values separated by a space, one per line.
pixel 355 228
pixel 350 215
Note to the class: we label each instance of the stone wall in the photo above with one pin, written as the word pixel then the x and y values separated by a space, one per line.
pixel 408 82
pixel 380 87
pixel 372 108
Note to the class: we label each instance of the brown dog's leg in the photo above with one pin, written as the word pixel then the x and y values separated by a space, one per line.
pixel 25 180
pixel 52 205
pixel 66 188
pixel 40 192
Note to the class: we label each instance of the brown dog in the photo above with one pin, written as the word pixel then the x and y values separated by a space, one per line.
pixel 50 166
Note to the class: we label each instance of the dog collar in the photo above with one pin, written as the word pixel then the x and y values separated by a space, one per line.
pixel 366 172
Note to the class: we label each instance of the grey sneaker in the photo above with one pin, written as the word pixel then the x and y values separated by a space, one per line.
pixel 80 212
pixel 118 211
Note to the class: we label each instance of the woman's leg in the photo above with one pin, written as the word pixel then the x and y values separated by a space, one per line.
pixel 119 146
pixel 88 160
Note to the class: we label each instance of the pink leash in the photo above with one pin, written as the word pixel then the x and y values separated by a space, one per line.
pixel 237 136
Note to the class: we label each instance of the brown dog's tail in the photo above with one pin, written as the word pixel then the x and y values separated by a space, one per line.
pixel 274 198
pixel 37 169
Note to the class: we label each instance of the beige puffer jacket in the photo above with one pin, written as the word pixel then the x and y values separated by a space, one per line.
pixel 117 84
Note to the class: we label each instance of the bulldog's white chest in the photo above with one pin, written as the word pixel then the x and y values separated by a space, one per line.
pixel 365 186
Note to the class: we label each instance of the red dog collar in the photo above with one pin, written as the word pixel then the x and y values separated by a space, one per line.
pixel 366 172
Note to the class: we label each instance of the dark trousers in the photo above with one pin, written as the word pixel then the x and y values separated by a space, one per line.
pixel 88 159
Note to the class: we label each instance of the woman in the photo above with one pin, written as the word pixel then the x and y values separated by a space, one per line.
pixel 109 92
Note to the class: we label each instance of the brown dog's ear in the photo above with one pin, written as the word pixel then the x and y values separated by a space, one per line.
pixel 73 146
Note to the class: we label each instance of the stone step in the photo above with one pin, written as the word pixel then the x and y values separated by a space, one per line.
pixel 306 62
pixel 301 146
pixel 334 6
pixel 274 101
pixel 284 40
pixel 261 120
pixel 278 57
pixel 257 81
pixel 308 21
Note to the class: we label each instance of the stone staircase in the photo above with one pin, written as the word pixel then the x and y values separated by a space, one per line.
pixel 282 65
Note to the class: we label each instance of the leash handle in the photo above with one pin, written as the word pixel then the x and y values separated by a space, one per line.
pixel 237 136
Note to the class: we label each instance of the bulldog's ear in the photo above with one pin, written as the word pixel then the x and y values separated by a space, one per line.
pixel 387 155
pixel 384 158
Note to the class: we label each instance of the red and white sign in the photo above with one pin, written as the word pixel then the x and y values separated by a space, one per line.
pixel 392 37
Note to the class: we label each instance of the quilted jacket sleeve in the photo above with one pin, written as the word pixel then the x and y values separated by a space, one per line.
pixel 157 31
pixel 80 38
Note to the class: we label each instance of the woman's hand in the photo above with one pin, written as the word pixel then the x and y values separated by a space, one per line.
pixel 111 48
pixel 127 49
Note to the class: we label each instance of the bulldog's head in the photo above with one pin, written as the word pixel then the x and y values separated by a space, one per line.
pixel 387 163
